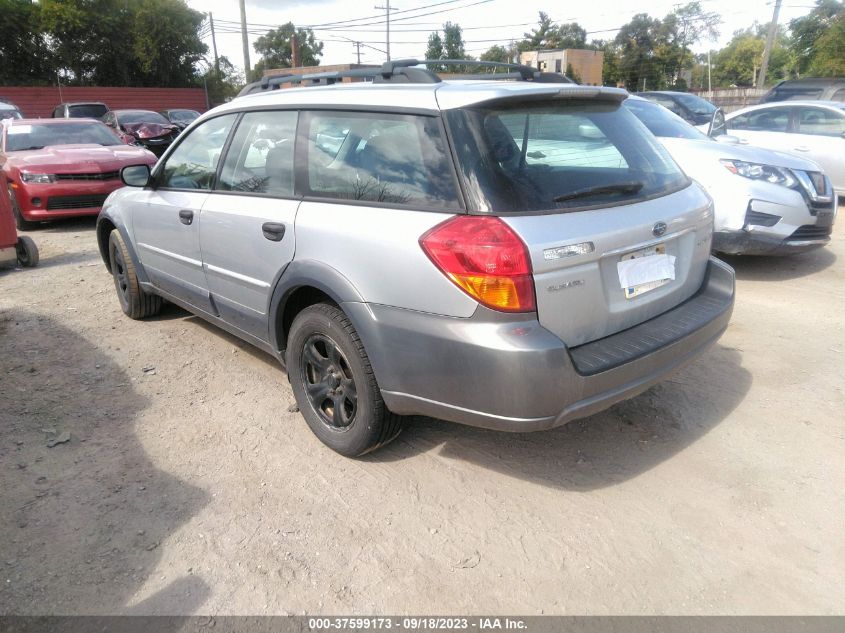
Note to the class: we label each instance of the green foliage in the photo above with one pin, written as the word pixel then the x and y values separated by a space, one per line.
pixel 24 54
pixel 817 39
pixel 737 63
pixel 435 50
pixel 277 52
pixel 551 35
pixel 223 85
pixel 574 76
pixel 104 42
pixel 496 54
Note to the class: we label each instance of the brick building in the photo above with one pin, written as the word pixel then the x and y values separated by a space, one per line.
pixel 586 64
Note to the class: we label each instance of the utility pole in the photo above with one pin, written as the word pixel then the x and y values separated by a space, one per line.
pixel 294 50
pixel 357 46
pixel 709 85
pixel 770 41
pixel 387 10
pixel 245 40
pixel 214 43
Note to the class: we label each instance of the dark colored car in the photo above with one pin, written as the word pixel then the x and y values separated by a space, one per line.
pixel 809 88
pixel 9 110
pixel 143 127
pixel 80 110
pixel 691 108
pixel 54 168
pixel 179 116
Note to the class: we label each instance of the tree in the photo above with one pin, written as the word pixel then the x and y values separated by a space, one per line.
pixel 551 35
pixel 277 52
pixel 737 63
pixel 574 76
pixel 224 85
pixel 435 50
pixel 636 41
pixel 496 54
pixel 453 42
pixel 24 54
pixel 813 38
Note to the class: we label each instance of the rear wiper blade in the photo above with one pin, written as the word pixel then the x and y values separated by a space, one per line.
pixel 630 186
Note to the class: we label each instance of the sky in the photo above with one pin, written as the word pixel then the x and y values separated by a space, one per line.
pixel 484 22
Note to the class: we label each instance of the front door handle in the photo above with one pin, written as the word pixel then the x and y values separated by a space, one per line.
pixel 273 231
pixel 186 216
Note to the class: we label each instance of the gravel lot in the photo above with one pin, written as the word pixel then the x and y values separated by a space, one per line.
pixel 187 487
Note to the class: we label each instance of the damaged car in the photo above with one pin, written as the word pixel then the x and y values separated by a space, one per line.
pixel 143 127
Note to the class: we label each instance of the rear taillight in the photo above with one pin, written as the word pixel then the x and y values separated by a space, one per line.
pixel 485 259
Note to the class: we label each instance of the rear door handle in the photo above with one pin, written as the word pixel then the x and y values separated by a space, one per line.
pixel 273 231
pixel 186 216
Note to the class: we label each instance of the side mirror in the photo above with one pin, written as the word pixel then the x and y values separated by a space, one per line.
pixel 717 124
pixel 135 175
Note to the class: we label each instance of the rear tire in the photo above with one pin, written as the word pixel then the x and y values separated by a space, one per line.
pixel 334 384
pixel 27 251
pixel 135 303
pixel 20 222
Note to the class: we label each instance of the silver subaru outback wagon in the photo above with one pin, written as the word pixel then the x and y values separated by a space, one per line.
pixel 511 255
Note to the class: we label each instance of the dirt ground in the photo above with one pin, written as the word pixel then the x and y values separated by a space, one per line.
pixel 187 487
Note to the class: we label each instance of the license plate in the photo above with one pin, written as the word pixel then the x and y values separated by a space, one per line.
pixel 644 270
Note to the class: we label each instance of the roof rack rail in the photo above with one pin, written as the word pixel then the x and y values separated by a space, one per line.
pixel 405 71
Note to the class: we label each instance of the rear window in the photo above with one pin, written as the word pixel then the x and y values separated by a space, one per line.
pixel 21 137
pixel 558 157
pixel 794 93
pixel 141 116
pixel 87 111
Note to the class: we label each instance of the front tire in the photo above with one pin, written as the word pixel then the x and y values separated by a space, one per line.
pixel 334 384
pixel 135 303
pixel 26 251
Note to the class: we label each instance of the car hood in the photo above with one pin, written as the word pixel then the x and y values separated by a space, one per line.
pixel 691 149
pixel 149 130
pixel 80 158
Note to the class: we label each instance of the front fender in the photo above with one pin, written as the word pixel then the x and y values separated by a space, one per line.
pixel 112 218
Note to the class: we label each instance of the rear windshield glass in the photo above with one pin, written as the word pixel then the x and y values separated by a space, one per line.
pixel 183 116
pixel 87 111
pixel 23 137
pixel 558 157
pixel 9 113
pixel 696 104
pixel 661 122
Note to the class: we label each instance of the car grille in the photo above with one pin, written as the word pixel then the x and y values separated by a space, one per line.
pixel 106 175
pixel 810 232
pixel 56 203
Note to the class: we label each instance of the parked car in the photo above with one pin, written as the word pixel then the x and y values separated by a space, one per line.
pixel 143 127
pixel 689 107
pixel 766 203
pixel 80 110
pixel 812 129
pixel 809 88
pixel 55 168
pixel 9 110
pixel 555 262
pixel 180 117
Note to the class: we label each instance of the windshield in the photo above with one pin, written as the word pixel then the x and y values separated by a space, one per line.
pixel 87 111
pixel 141 116
pixel 38 135
pixel 661 122
pixel 696 105
pixel 558 157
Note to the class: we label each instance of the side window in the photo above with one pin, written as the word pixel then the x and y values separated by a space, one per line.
pixel 392 158
pixel 260 158
pixel 820 122
pixel 768 120
pixel 739 122
pixel 839 95
pixel 193 164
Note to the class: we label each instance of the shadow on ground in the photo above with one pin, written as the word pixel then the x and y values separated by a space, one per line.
pixel 84 523
pixel 769 268
pixel 64 225
pixel 604 449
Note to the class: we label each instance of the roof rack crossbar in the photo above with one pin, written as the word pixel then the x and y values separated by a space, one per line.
pixel 406 71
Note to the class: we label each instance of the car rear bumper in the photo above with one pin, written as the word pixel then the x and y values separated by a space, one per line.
pixel 508 373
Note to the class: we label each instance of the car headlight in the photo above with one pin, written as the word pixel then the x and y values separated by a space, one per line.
pixel 757 171
pixel 38 179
